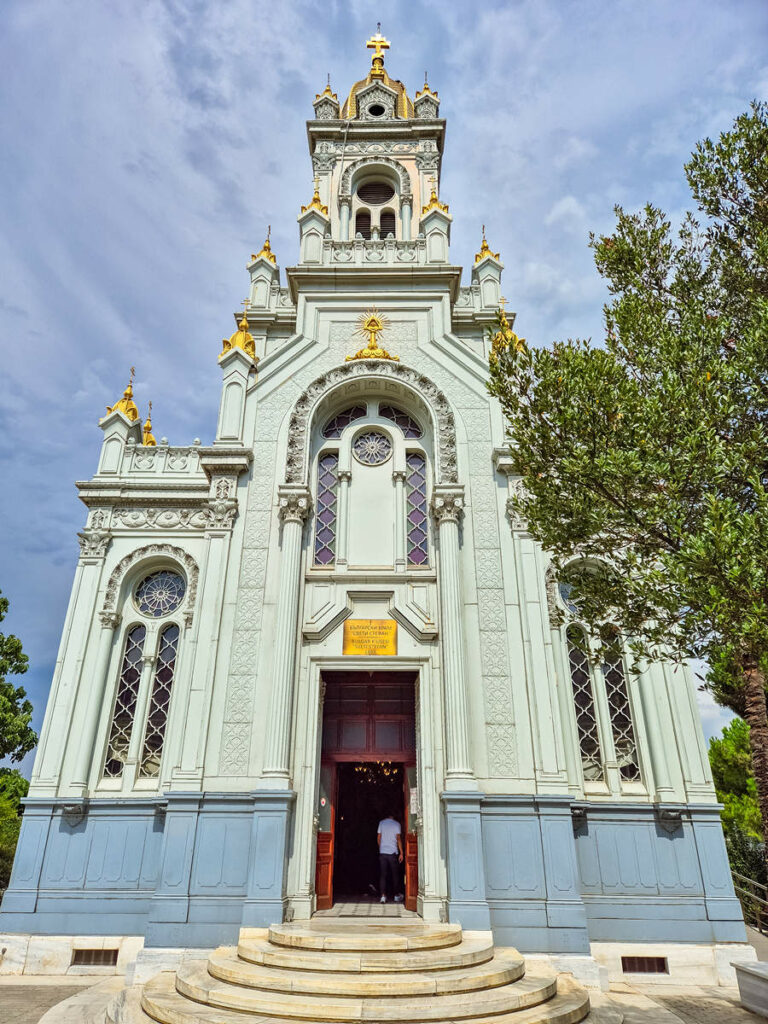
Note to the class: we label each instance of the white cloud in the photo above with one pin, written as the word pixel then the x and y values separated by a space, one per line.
pixel 569 212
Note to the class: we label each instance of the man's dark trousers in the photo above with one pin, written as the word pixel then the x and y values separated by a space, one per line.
pixel 389 864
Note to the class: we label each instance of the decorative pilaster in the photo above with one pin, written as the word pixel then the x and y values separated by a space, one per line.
pixel 447 508
pixel 406 211
pixel 294 506
pixel 344 211
pixel 398 479
pixel 85 746
pixel 342 535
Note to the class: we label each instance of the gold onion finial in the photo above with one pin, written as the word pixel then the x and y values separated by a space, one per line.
pixel 266 249
pixel 148 438
pixel 378 44
pixel 485 250
pixel 240 339
pixel 372 323
pixel 315 203
pixel 126 404
pixel 505 336
pixel 434 203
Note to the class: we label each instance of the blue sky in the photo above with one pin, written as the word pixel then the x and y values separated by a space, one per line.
pixel 146 146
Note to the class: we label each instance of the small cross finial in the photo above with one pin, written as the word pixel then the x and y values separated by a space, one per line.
pixel 149 413
pixel 503 302
pixel 484 239
pixel 425 77
pixel 245 304
pixel 328 82
pixel 269 231
pixel 378 43
pixel 133 375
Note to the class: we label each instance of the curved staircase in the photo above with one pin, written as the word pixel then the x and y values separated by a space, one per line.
pixel 345 971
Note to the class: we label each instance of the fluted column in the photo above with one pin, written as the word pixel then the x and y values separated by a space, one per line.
pixel 86 742
pixel 294 507
pixel 447 509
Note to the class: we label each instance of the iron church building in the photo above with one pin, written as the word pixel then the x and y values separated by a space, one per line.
pixel 333 611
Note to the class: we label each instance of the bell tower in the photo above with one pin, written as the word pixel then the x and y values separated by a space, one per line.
pixel 376 158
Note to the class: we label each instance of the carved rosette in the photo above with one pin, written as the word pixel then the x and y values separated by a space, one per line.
pixel 94 543
pixel 150 551
pixel 447 505
pixel 294 504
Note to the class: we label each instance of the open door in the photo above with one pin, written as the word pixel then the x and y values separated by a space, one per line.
pixel 411 839
pixel 325 827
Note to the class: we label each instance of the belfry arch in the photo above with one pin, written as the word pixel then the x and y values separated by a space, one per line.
pixel 424 391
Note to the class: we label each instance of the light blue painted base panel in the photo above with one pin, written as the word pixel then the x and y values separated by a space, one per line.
pixel 190 869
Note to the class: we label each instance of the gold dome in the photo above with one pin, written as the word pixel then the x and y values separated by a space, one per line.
pixel 403 103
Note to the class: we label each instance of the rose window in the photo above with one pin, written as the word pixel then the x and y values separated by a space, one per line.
pixel 160 593
pixel 372 448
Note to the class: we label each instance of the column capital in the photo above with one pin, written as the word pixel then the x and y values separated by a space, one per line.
pixel 110 620
pixel 94 543
pixel 447 503
pixel 295 502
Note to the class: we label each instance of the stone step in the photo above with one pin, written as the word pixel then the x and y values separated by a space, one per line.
pixel 474 948
pixel 164 1004
pixel 380 935
pixel 501 970
pixel 194 982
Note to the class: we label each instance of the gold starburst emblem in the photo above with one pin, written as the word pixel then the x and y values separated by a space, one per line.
pixel 371 324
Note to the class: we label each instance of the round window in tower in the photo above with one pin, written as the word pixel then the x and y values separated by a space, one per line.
pixel 376 110
pixel 375 192
pixel 372 448
pixel 160 593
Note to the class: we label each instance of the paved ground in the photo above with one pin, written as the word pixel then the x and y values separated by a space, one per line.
pixel 25 1000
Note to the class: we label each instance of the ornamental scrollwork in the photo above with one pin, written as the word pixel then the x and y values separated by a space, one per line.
pixel 94 543
pixel 294 504
pixel 151 551
pixel 445 432
pixel 447 505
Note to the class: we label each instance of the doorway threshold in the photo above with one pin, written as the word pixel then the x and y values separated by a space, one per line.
pixel 367 908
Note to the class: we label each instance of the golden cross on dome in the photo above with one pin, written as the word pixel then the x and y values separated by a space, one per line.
pixel 378 42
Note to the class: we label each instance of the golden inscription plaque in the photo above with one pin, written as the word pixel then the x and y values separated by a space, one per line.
pixel 370 636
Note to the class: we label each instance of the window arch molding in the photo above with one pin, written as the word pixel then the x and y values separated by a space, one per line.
pixel 144 560
pixel 370 167
pixel 357 380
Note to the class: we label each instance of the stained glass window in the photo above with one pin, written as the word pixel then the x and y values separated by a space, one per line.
pixel 125 703
pixel 335 427
pixel 621 716
pixel 157 716
pixel 372 448
pixel 327 508
pixel 416 508
pixel 160 593
pixel 584 701
pixel 409 426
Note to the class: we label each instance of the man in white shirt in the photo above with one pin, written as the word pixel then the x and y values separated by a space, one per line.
pixel 390 857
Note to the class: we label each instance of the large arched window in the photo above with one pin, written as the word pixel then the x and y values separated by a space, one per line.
pixel 584 704
pixel 372 472
pixel 144 686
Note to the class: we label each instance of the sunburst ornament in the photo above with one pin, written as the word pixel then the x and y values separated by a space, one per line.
pixel 372 323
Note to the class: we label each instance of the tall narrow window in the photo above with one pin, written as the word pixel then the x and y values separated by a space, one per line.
pixel 387 223
pixel 125 703
pixel 416 508
pixel 363 224
pixel 327 508
pixel 157 717
pixel 584 701
pixel 621 716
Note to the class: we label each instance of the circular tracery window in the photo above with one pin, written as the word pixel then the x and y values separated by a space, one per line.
pixel 160 593
pixel 372 448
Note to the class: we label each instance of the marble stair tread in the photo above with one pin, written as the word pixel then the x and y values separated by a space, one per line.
pixel 474 948
pixel 194 982
pixel 356 938
pixel 164 1004
pixel 501 970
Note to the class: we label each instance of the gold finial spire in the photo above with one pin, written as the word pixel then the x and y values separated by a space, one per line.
pixel 505 336
pixel 126 404
pixel 434 203
pixel 266 249
pixel 372 323
pixel 327 91
pixel 485 250
pixel 148 437
pixel 426 91
pixel 378 44
pixel 241 338
pixel 315 203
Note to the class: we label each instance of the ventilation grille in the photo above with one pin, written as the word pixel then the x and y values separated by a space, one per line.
pixel 375 192
pixel 644 965
pixel 94 957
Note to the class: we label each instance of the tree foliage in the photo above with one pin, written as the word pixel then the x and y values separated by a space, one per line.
pixel 17 737
pixel 645 459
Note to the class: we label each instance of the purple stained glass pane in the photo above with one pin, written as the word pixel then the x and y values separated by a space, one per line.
pixel 336 426
pixel 416 503
pixel 409 426
pixel 327 507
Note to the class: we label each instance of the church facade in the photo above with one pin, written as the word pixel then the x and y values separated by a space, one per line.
pixel 333 611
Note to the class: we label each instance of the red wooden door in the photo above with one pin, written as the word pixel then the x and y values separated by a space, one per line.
pixel 326 814
pixel 411 844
